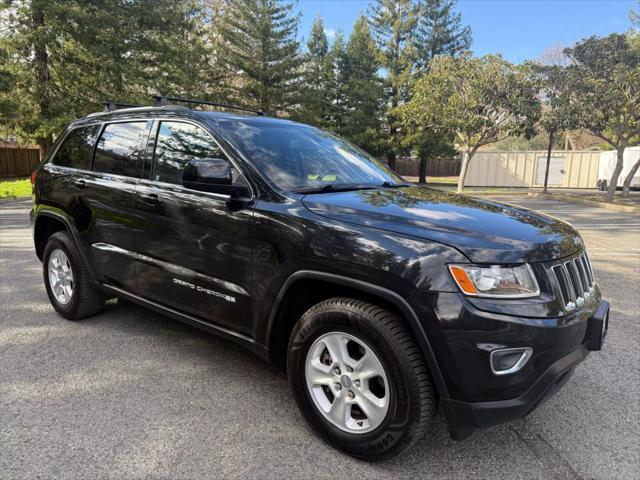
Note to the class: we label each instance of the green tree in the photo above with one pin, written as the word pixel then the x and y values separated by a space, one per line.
pixel 66 56
pixel 557 112
pixel 634 17
pixel 316 98
pixel 8 104
pixel 336 88
pixel 604 79
pixel 363 93
pixel 439 31
pixel 428 144
pixel 393 23
pixel 262 50
pixel 479 100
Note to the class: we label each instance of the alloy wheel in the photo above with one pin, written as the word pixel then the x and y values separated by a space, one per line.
pixel 347 382
pixel 61 278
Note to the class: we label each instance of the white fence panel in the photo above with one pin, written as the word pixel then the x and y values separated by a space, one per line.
pixel 568 169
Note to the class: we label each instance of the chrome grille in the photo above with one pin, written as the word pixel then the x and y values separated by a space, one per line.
pixel 575 281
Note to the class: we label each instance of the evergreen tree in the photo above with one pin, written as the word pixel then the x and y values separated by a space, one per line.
pixel 315 100
pixel 393 23
pixel 66 56
pixel 336 89
pixel 363 90
pixel 8 103
pixel 262 50
pixel 439 31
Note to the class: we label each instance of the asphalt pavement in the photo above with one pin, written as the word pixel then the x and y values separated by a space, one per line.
pixel 130 394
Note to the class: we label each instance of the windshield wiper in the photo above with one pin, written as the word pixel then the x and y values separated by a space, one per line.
pixel 332 187
pixel 388 184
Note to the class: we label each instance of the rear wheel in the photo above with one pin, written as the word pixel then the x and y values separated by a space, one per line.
pixel 67 283
pixel 360 379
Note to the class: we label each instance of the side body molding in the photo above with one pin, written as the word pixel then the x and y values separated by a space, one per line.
pixel 389 295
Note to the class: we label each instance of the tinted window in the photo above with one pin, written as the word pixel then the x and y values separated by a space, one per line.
pixel 119 149
pixel 76 150
pixel 178 144
pixel 302 158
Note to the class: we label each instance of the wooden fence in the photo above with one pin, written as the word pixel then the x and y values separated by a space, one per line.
pixel 18 161
pixel 441 167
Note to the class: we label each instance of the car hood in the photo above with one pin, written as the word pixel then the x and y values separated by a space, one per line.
pixel 485 231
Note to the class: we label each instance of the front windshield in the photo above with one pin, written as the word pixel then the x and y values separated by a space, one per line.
pixel 298 158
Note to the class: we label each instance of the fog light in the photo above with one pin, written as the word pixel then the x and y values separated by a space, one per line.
pixel 509 360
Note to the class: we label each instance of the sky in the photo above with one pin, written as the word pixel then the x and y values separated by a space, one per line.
pixel 517 29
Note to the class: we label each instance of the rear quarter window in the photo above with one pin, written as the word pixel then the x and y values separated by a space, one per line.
pixel 76 149
pixel 119 149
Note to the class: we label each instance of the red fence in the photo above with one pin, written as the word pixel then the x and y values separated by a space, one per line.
pixel 441 167
pixel 18 161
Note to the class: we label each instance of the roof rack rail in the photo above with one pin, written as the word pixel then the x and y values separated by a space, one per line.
pixel 162 100
pixel 113 106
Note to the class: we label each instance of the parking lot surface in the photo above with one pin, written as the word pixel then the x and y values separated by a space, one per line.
pixel 130 394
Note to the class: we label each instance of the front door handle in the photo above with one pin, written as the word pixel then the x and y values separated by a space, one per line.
pixel 80 184
pixel 152 198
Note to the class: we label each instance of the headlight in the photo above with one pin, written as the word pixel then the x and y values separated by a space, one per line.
pixel 496 281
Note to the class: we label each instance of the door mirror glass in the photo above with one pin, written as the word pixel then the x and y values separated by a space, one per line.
pixel 208 175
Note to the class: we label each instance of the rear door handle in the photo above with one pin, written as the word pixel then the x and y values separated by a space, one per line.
pixel 80 184
pixel 152 198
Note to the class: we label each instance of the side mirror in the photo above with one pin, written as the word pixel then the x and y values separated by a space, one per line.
pixel 208 175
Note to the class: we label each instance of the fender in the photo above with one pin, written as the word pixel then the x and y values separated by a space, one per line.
pixel 75 235
pixel 389 295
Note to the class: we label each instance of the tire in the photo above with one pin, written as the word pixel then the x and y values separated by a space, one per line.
pixel 408 391
pixel 602 186
pixel 84 299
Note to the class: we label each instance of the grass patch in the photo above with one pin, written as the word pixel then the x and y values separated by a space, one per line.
pixel 443 180
pixel 15 188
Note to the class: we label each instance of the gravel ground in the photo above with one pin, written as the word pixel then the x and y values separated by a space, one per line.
pixel 131 394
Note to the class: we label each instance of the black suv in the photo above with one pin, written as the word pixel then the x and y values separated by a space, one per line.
pixel 382 298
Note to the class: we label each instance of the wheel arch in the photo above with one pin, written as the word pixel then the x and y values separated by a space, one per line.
pixel 47 223
pixel 280 323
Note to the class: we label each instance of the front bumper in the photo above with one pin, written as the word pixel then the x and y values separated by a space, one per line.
pixel 477 398
pixel 464 417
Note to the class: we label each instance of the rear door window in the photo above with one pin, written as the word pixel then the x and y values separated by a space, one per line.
pixel 75 151
pixel 120 148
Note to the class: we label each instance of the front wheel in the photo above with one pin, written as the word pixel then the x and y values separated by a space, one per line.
pixel 360 379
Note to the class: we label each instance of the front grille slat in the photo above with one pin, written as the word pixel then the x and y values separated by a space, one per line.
pixel 583 274
pixel 575 281
pixel 588 262
pixel 564 287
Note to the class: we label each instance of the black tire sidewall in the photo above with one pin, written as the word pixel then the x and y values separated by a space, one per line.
pixel 62 242
pixel 378 442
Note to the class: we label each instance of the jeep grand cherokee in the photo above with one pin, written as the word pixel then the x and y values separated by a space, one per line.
pixel 383 299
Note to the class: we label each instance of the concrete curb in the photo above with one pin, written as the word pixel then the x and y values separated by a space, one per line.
pixel 609 206
pixel 568 198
